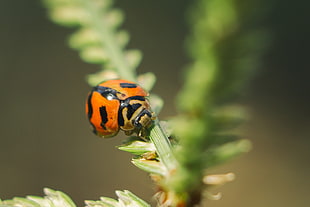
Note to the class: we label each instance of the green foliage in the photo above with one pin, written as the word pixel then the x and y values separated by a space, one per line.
pixel 138 147
pixel 98 39
pixel 58 199
pixel 52 199
pixel 224 51
pixel 125 199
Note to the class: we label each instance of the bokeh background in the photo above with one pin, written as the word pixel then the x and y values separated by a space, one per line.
pixel 45 140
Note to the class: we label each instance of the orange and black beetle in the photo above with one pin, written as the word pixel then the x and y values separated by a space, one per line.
pixel 118 104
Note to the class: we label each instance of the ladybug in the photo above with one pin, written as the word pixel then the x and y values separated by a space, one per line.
pixel 118 104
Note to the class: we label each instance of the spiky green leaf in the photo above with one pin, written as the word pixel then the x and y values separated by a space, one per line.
pixel 150 166
pixel 138 147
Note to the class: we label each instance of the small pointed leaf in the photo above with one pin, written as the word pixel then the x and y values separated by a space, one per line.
pixel 59 198
pixel 103 75
pixel 229 117
pixel 94 55
pixel 147 81
pixel 150 166
pixel 114 17
pixel 133 58
pixel 52 199
pixel 69 16
pixel 122 37
pixel 24 202
pixel 109 201
pixel 128 199
pixel 83 38
pixel 104 202
pixel 226 152
pixel 43 202
pixel 138 147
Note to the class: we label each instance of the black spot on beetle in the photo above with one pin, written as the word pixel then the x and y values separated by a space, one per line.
pixel 103 115
pixel 131 109
pixel 106 92
pixel 120 117
pixel 139 98
pixel 90 112
pixel 90 107
pixel 128 85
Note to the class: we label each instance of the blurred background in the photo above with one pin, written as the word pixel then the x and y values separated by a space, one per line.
pixel 45 139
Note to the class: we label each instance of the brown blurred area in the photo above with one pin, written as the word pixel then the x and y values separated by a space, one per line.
pixel 46 141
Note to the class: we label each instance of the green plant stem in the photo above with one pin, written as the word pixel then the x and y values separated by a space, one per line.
pixel 116 55
pixel 163 147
